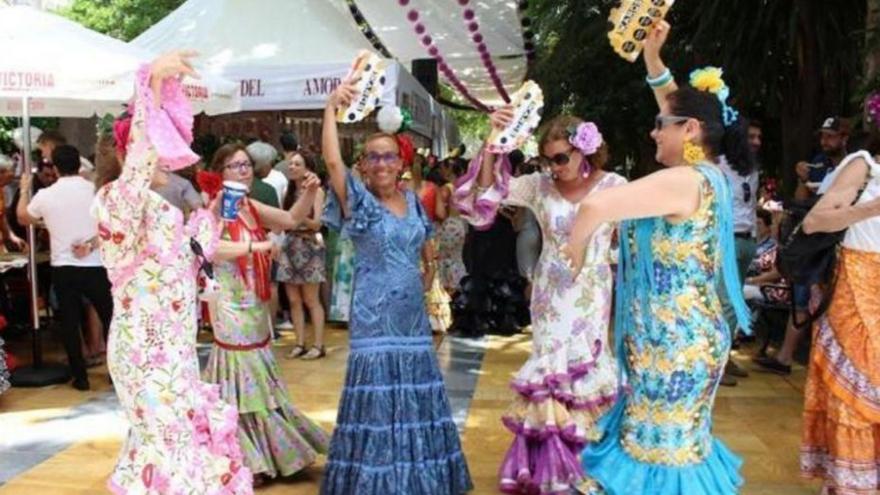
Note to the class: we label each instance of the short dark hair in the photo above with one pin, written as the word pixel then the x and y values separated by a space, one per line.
pixel 288 141
pixel 757 124
pixel 66 159
pixel 765 216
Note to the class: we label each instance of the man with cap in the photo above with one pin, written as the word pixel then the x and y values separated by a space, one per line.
pixel 833 138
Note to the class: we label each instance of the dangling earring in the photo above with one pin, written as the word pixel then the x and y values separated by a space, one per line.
pixel 693 154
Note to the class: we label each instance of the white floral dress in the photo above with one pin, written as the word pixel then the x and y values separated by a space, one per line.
pixel 183 438
pixel 571 378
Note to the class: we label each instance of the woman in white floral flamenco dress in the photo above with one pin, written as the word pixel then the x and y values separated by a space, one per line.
pixel 571 379
pixel 183 438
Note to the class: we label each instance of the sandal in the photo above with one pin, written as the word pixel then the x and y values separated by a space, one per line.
pixel 297 351
pixel 315 353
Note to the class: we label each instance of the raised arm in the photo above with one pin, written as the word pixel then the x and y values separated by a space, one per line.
pixel 657 70
pixel 499 119
pixel 340 97
pixel 834 211
pixel 278 219
pixel 673 193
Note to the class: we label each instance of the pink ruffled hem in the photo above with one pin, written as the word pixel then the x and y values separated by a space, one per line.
pixel 546 466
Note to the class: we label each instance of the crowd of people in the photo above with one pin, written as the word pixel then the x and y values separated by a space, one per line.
pixel 635 292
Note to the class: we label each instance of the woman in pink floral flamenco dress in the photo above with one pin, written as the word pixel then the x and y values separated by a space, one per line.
pixel 571 379
pixel 183 438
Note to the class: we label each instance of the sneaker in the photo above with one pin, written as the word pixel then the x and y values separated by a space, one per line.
pixel 284 325
pixel 773 365
pixel 735 369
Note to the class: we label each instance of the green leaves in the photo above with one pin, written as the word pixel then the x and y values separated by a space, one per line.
pixel 123 19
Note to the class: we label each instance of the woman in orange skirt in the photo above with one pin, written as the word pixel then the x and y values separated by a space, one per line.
pixel 841 436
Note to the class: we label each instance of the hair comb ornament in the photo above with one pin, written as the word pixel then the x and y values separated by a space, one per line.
pixel 710 79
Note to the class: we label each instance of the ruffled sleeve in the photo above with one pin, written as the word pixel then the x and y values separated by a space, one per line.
pixel 121 206
pixel 363 209
pixel 480 207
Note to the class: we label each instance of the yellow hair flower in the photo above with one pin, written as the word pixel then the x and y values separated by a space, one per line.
pixel 708 79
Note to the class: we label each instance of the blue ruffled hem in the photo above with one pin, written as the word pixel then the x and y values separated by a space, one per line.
pixel 618 473
pixel 394 432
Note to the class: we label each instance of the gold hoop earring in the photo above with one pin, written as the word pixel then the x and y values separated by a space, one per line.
pixel 693 154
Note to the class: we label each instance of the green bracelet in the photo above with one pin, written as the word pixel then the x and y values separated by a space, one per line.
pixel 662 80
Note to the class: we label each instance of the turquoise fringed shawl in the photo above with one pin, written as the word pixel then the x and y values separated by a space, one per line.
pixel 635 271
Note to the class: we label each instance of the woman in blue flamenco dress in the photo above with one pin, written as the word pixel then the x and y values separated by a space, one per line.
pixel 394 431
pixel 677 246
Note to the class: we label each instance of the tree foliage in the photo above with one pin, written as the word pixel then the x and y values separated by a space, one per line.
pixel 122 19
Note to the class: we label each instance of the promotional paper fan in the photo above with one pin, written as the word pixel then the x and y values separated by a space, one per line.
pixel 528 103
pixel 631 23
pixel 370 68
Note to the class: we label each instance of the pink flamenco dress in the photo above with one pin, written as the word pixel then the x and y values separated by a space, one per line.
pixel 571 378
pixel 183 437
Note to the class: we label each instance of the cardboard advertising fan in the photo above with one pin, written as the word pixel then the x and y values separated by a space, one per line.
pixel 370 69
pixel 528 103
pixel 632 21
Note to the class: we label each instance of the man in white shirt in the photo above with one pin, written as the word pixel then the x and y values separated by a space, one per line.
pixel 77 271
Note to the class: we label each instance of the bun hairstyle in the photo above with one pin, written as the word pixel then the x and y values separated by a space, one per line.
pixel 724 131
pixel 560 128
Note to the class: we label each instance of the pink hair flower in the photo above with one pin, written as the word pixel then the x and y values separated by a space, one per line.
pixel 586 138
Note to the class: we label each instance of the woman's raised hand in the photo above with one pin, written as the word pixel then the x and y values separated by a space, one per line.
pixel 502 117
pixel 343 94
pixel 311 182
pixel 174 64
pixel 655 41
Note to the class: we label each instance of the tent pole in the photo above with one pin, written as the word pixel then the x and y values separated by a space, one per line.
pixel 39 374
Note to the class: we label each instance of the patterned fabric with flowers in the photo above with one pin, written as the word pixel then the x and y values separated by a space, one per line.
pixel 183 438
pixel 659 437
pixel 571 378
pixel 275 437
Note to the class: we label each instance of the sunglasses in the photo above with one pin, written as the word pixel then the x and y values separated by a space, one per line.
pixel 661 121
pixel 204 265
pixel 559 158
pixel 747 192
pixel 240 167
pixel 388 158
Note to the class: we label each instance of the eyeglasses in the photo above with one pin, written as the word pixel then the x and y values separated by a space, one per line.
pixel 662 121
pixel 559 158
pixel 204 265
pixel 240 167
pixel 388 158
pixel 747 192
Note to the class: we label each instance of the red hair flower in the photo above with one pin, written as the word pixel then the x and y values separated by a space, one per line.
pixel 209 182
pixel 407 151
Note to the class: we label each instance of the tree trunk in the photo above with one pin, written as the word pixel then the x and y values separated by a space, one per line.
pixel 872 44
pixel 801 103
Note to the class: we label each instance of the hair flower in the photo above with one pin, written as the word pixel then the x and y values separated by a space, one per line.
pixel 209 182
pixel 586 138
pixel 709 79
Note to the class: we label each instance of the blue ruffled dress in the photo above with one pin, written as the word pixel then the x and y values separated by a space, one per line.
pixel 673 343
pixel 394 430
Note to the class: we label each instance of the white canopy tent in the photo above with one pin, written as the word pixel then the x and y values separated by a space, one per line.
pixel 55 67
pixel 498 24
pixel 286 54
pixel 68 70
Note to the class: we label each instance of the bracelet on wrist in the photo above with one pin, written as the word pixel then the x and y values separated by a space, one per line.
pixel 662 80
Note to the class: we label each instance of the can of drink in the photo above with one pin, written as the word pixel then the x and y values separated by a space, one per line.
pixel 233 193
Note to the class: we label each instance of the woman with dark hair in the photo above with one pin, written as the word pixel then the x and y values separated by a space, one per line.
pixel 276 439
pixel 452 229
pixel 394 432
pixel 671 336
pixel 301 266
pixel 571 379
pixel 840 442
